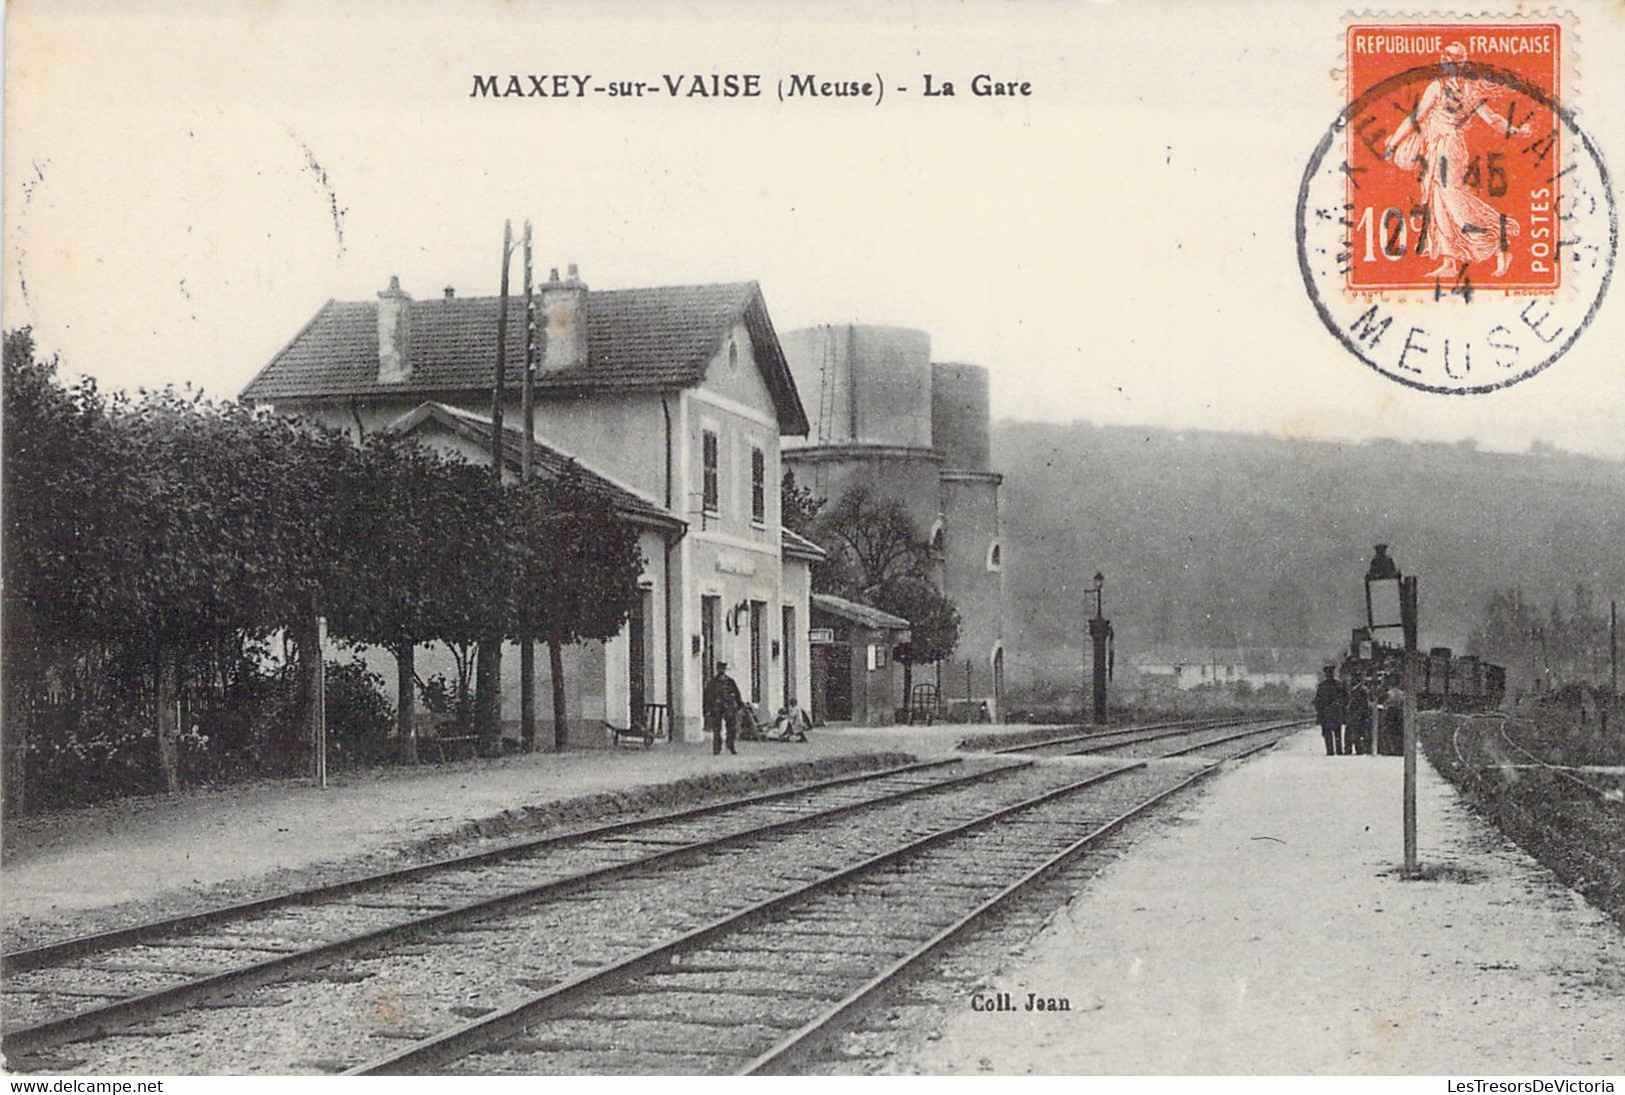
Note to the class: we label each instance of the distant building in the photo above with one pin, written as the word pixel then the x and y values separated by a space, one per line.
pixel 673 398
pixel 1190 668
pixel 882 414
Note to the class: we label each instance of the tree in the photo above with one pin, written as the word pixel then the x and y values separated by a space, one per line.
pixel 152 543
pixel 469 607
pixel 575 565
pixel 59 588
pixel 933 624
pixel 877 556
pixel 798 506
pixel 870 541
pixel 418 560
pixel 237 526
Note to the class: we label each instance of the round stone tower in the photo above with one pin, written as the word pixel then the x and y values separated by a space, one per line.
pixel 971 546
pixel 867 391
pixel 960 421
pixel 882 415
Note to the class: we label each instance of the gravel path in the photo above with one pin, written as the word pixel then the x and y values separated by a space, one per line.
pixel 1265 930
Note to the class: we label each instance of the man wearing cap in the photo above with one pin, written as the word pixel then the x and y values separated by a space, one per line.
pixel 722 704
pixel 1329 702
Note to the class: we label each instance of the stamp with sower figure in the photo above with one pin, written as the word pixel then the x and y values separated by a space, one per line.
pixel 1456 226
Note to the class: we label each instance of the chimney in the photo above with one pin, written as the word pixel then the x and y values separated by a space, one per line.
pixel 564 321
pixel 450 292
pixel 394 334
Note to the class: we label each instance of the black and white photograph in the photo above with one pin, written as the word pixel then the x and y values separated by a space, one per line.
pixel 882 538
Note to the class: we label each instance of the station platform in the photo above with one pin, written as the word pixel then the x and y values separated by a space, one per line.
pixel 1262 927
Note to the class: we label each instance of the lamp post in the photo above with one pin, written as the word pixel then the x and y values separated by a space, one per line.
pixel 1391 613
pixel 1100 630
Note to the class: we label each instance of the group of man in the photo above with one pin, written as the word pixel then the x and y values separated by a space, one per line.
pixel 725 709
pixel 1344 715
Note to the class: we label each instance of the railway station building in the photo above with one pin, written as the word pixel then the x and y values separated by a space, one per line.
pixel 882 414
pixel 854 677
pixel 674 399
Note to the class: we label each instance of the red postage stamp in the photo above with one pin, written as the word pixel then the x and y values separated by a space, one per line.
pixel 1456 226
pixel 1451 163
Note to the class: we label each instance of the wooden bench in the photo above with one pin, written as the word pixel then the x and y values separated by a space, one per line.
pixel 644 730
pixel 448 746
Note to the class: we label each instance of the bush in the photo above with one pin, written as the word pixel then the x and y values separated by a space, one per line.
pixel 443 700
pixel 106 755
pixel 360 720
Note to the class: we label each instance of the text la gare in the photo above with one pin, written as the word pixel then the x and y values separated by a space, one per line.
pixel 982 86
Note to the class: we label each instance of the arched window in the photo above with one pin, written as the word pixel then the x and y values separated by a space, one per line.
pixel 733 356
pixel 995 556
pixel 937 536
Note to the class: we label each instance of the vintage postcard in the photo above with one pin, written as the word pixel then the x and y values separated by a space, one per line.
pixel 875 538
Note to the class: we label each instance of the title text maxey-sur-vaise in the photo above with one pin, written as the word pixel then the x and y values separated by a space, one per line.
pixel 746 85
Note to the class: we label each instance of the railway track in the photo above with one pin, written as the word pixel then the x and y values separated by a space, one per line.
pixel 1147 741
pixel 1506 754
pixel 459 954
pixel 1573 825
pixel 57 952
pixel 1601 792
pixel 1085 741
pixel 354 915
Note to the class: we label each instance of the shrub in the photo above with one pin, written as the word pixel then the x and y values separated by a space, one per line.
pixel 360 719
pixel 107 755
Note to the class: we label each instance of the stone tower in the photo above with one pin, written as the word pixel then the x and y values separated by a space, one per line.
pixel 882 414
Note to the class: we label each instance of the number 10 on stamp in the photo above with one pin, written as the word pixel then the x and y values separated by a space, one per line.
pixel 1451 157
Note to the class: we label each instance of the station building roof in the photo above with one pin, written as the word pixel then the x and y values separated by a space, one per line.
pixel 647 339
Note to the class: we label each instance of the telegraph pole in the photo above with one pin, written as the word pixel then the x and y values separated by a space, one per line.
pixel 488 684
pixel 527 446
pixel 1613 662
pixel 1408 614
pixel 502 356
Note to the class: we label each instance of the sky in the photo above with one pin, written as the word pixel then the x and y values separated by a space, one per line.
pixel 185 185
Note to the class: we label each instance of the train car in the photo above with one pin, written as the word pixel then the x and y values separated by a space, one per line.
pixel 1445 681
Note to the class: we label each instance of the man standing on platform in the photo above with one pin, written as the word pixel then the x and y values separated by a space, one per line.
pixel 721 706
pixel 1358 718
pixel 1329 702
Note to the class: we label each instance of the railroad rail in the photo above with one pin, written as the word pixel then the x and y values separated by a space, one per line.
pixel 56 952
pixel 1496 758
pixel 498 926
pixel 1105 742
pixel 273 961
pixel 1610 795
pixel 1147 732
pixel 728 961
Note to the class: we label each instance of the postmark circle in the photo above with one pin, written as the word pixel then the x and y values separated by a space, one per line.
pixel 1456 335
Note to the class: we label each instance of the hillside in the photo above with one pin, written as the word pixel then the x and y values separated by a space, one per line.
pixel 1210 539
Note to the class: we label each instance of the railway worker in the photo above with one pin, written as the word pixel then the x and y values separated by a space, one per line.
pixel 721 705
pixel 1329 702
pixel 1357 718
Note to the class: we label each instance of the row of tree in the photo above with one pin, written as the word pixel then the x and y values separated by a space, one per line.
pixel 158 547
pixel 1553 646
